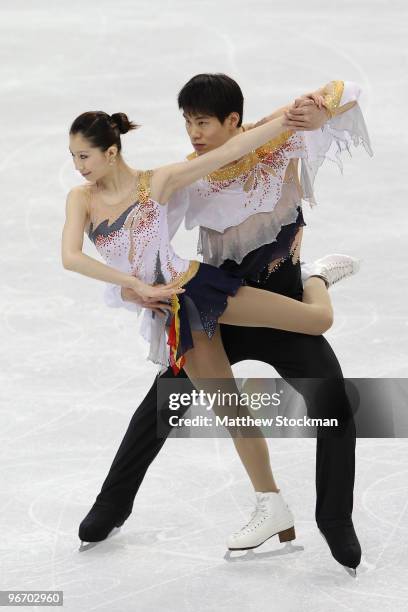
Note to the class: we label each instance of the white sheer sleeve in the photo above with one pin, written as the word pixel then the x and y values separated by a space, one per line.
pixel 345 127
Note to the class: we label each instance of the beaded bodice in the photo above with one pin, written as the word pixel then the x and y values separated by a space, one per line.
pixel 137 241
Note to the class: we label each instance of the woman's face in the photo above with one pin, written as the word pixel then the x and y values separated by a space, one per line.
pixel 90 161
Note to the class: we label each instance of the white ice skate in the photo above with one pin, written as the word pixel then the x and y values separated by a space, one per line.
pixel 270 517
pixel 331 268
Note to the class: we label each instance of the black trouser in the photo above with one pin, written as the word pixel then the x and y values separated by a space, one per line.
pixel 294 356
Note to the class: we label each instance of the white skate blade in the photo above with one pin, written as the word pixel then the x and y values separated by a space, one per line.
pixel 239 556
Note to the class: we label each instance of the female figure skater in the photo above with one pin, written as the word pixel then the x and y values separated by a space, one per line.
pixel 124 212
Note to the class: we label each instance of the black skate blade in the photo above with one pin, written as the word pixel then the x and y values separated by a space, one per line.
pixel 88 545
pixel 352 571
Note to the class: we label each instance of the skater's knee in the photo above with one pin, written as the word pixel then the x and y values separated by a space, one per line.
pixel 325 322
pixel 328 320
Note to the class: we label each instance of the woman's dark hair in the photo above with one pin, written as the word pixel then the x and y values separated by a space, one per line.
pixel 216 95
pixel 101 129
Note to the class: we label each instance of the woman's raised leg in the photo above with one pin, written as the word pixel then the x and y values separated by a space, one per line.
pixel 252 307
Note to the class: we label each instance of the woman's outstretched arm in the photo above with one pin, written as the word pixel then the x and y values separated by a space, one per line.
pixel 168 179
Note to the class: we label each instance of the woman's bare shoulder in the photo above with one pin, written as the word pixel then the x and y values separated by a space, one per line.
pixel 78 204
pixel 80 196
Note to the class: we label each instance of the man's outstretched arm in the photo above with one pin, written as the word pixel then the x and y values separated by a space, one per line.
pixel 311 112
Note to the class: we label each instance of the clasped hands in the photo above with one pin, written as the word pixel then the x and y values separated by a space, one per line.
pixel 308 112
pixel 154 297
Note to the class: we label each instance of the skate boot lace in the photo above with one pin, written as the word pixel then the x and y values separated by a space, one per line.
pixel 335 271
pixel 258 515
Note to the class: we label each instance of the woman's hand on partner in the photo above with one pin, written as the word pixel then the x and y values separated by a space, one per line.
pixel 129 295
pixel 155 292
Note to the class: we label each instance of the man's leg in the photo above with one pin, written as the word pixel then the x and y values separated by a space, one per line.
pixel 136 452
pixel 309 364
pixel 141 445
pixel 298 358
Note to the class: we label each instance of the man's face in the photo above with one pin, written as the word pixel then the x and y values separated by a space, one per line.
pixel 207 133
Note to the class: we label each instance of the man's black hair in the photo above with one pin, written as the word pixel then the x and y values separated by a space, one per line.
pixel 216 95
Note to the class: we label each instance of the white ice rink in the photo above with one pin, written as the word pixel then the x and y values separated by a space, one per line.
pixel 73 371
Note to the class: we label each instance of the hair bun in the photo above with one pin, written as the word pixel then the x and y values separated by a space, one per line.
pixel 122 122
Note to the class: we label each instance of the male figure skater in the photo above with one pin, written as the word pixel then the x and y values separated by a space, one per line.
pixel 213 108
